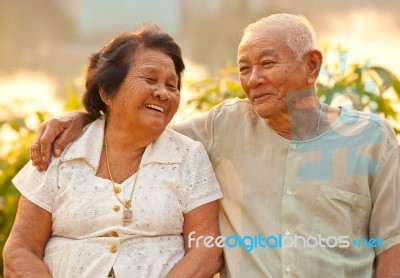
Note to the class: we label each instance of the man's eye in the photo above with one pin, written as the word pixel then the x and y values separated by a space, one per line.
pixel 243 69
pixel 150 80
pixel 268 63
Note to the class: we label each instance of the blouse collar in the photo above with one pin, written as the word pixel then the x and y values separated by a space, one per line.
pixel 90 143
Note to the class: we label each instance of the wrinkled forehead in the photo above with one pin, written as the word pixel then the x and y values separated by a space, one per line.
pixel 152 60
pixel 262 41
pixel 273 33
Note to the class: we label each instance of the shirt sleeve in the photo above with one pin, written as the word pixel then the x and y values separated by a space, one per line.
pixel 38 187
pixel 199 181
pixel 385 191
pixel 199 128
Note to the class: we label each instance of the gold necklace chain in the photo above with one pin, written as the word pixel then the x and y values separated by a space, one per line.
pixel 127 214
pixel 319 119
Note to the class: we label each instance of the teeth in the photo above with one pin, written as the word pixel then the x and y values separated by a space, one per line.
pixel 158 108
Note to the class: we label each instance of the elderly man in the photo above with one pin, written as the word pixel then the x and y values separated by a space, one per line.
pixel 309 190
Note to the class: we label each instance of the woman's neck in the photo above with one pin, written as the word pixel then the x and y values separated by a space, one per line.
pixel 126 144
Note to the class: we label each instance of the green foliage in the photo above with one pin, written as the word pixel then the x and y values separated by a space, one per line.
pixel 12 159
pixel 14 154
pixel 73 93
pixel 368 87
pixel 210 92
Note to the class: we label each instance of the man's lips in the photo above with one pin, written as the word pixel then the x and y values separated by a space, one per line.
pixel 260 97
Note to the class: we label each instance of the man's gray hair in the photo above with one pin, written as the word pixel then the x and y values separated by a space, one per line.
pixel 300 35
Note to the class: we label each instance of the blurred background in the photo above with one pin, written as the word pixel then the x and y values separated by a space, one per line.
pixel 45 44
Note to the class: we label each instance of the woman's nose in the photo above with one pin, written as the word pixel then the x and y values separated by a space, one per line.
pixel 162 93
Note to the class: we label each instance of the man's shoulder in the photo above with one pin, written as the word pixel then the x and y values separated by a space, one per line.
pixel 370 122
pixel 233 110
pixel 233 104
pixel 181 141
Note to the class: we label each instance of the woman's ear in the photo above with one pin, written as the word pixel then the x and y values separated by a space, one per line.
pixel 104 97
pixel 314 63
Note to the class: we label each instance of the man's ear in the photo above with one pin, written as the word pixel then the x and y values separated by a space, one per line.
pixel 314 63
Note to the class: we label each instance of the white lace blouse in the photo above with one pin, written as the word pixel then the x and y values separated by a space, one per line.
pixel 88 235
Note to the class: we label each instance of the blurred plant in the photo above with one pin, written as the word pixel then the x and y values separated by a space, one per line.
pixel 11 161
pixel 211 92
pixel 367 87
pixel 14 154
pixel 73 94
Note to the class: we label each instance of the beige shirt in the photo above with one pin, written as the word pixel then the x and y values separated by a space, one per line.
pixel 332 191
pixel 88 236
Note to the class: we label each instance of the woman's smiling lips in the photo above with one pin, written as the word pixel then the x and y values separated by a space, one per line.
pixel 155 107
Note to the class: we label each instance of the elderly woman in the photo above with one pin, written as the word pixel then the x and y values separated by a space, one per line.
pixel 122 199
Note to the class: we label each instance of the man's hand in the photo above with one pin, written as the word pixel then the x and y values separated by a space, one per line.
pixel 56 133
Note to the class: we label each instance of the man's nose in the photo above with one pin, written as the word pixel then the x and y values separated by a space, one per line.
pixel 256 77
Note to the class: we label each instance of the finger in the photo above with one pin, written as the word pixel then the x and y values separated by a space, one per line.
pixel 49 135
pixel 70 132
pixel 35 150
pixel 35 160
pixel 61 142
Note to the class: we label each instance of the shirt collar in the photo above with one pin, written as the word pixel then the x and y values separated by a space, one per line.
pixel 89 146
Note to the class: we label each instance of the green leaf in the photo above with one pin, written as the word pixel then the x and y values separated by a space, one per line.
pixel 385 75
pixel 17 124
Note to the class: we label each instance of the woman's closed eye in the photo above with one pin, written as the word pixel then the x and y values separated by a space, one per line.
pixel 172 86
pixel 150 80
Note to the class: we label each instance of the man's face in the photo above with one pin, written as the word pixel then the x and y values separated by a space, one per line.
pixel 269 70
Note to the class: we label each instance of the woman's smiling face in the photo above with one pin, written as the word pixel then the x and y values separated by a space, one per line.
pixel 148 97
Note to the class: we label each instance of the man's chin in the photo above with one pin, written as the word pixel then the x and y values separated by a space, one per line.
pixel 263 112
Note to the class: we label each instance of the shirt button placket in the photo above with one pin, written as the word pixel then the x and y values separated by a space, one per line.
pixel 114 234
pixel 289 202
pixel 113 249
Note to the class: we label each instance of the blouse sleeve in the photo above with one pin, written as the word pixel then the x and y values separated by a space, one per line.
pixel 199 181
pixel 38 187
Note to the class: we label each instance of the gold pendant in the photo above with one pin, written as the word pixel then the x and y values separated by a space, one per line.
pixel 127 215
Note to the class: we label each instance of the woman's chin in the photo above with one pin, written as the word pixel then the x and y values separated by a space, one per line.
pixel 156 125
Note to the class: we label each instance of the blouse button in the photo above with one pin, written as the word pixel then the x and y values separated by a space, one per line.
pixel 116 208
pixel 114 234
pixel 113 249
pixel 117 189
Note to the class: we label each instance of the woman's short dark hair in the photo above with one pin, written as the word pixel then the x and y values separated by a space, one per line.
pixel 108 67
